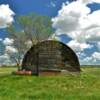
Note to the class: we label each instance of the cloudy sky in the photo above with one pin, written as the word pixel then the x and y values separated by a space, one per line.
pixel 76 22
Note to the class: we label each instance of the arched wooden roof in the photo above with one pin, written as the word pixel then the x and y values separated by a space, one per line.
pixel 51 55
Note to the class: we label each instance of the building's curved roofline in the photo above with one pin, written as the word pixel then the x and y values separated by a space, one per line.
pixel 72 58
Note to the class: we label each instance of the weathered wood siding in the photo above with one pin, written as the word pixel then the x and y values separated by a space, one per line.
pixel 51 55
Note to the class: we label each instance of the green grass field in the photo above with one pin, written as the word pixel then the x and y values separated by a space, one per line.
pixel 85 86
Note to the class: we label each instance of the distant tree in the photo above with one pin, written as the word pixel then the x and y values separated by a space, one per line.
pixel 16 51
pixel 29 29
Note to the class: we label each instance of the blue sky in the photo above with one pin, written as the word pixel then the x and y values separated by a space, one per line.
pixel 44 7
pixel 51 8
pixel 24 7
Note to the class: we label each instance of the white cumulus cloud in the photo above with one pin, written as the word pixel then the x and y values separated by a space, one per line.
pixel 5 56
pixel 6 16
pixel 10 49
pixel 4 59
pixel 8 41
pixel 68 19
pixel 77 46
pixel 88 1
pixel 93 59
pixel 98 45
pixel 96 1
pixel 77 21
pixel 96 55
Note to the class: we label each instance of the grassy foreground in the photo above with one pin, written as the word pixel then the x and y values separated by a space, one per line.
pixel 85 86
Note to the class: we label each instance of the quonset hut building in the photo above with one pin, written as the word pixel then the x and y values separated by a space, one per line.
pixel 50 55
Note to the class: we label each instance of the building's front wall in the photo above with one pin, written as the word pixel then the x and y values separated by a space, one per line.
pixel 51 55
